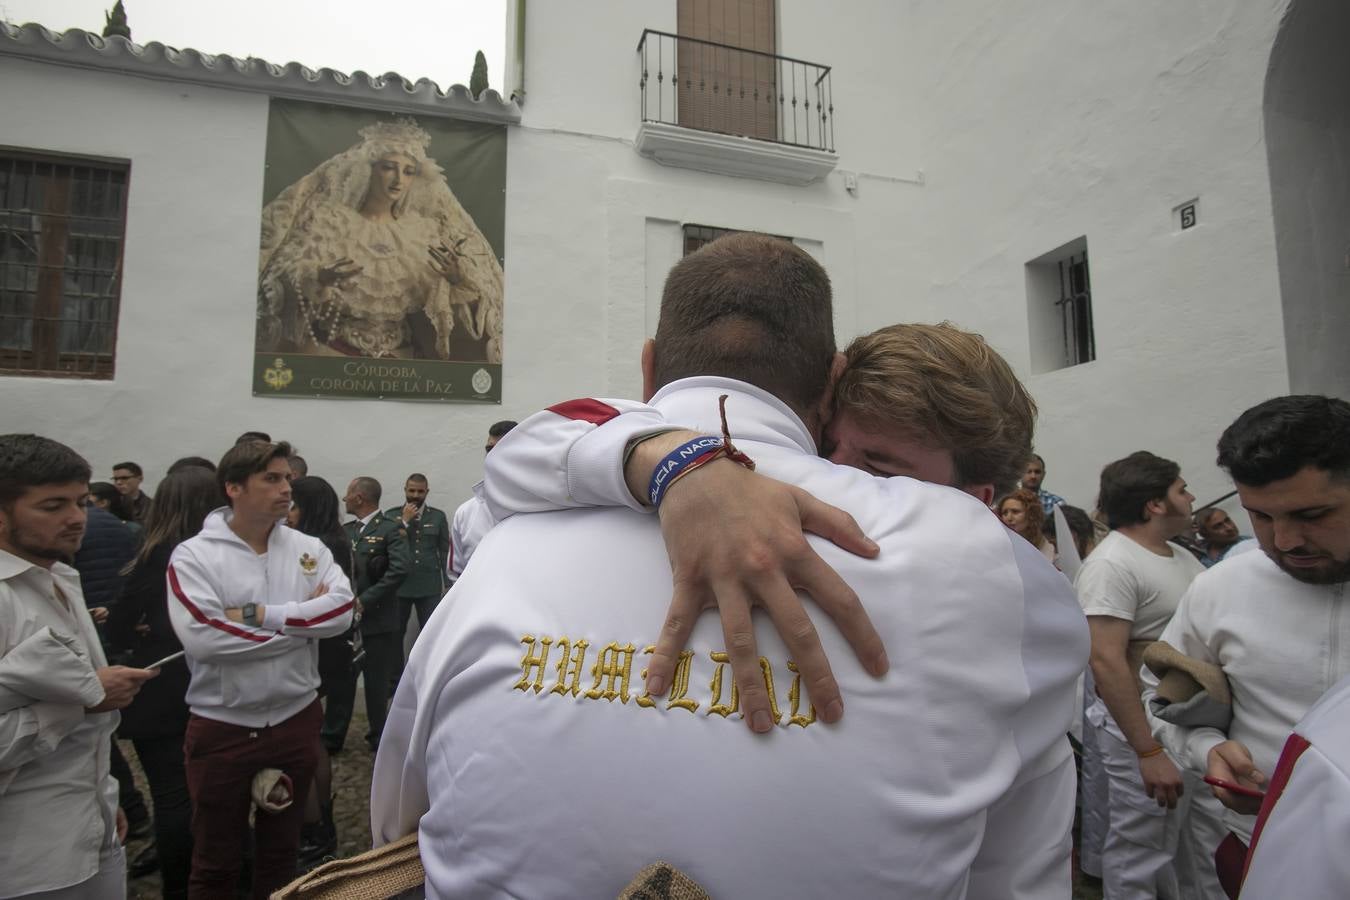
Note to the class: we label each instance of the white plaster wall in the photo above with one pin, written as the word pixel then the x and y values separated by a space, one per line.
pixel 983 133
pixel 1308 135
pixel 185 330
pixel 1049 120
pixel 600 225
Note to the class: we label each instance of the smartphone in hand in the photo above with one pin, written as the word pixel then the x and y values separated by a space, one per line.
pixel 1239 789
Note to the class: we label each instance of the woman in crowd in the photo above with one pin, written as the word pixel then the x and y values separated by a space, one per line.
pixel 315 511
pixel 1021 511
pixel 156 721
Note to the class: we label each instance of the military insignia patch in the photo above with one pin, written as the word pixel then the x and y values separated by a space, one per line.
pixel 308 564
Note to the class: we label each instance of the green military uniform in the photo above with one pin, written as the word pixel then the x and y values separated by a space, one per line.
pixel 380 563
pixel 428 539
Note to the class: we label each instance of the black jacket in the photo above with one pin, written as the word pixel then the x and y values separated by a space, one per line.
pixel 160 709
pixel 108 545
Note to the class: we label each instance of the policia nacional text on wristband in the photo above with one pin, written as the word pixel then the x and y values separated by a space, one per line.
pixel 690 455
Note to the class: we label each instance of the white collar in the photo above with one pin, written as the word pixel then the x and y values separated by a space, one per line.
pixel 11 565
pixel 752 414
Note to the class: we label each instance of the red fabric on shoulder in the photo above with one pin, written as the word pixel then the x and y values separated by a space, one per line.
pixel 1289 756
pixel 585 409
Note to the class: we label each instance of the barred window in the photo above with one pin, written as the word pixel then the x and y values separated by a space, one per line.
pixel 695 236
pixel 62 221
pixel 1059 308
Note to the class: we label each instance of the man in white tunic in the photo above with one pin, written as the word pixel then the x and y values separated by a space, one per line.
pixel 524 751
pixel 1276 622
pixel 58 801
pixel 1129 587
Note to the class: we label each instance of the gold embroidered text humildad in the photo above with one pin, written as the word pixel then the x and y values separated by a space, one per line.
pixel 611 678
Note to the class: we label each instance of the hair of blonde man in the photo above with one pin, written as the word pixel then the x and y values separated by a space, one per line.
pixel 948 389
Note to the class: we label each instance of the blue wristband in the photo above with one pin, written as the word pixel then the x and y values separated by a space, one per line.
pixel 679 459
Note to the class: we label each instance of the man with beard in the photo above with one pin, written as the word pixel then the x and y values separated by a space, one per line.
pixel 58 800
pixel 1129 589
pixel 426 531
pixel 1275 621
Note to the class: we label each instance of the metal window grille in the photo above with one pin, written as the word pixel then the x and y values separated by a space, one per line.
pixel 1075 307
pixel 695 236
pixel 62 221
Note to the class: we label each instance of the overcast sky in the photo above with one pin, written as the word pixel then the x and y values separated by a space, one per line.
pixel 415 38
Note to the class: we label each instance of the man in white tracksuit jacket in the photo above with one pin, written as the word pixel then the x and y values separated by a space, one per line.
pixel 251 598
pixel 524 750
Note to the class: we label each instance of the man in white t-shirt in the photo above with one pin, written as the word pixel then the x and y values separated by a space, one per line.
pixel 1129 588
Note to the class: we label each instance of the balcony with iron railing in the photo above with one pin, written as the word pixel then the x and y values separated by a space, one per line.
pixel 734 111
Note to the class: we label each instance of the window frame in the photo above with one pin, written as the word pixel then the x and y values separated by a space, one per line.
pixel 56 227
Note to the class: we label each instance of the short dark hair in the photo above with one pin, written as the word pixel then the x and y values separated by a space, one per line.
pixel 1129 484
pixel 191 462
pixel 418 476
pixel 253 436
pixel 1039 459
pixel 245 459
pixel 1080 527
pixel 103 490
pixel 130 467
pixel 298 465
pixel 1276 439
pixel 29 460
pixel 1202 516
pixel 369 488
pixel 499 429
pixel 751 307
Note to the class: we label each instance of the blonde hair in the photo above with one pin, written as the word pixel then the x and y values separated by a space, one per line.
pixel 948 388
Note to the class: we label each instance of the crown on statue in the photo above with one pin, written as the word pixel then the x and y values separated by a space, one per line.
pixel 403 135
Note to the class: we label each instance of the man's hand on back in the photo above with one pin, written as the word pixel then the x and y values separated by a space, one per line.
pixel 736 540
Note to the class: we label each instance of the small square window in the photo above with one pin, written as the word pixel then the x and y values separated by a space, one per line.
pixel 1059 308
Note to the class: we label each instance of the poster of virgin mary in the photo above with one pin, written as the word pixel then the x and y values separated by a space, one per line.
pixel 376 276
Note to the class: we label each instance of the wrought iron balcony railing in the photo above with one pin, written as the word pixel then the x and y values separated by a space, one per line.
pixel 709 86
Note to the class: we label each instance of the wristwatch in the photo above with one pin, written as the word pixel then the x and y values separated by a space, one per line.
pixel 250 614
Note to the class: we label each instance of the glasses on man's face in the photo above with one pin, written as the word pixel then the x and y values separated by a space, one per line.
pixel 123 477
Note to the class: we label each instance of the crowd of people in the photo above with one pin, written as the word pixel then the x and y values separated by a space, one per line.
pixel 219 612
pixel 1010 663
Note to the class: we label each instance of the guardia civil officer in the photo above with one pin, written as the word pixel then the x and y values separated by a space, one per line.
pixel 427 533
pixel 379 566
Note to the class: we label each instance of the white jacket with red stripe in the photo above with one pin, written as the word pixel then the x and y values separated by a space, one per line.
pixel 241 674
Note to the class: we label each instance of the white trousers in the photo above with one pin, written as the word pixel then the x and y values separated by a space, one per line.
pixel 1142 837
pixel 1201 836
pixel 108 883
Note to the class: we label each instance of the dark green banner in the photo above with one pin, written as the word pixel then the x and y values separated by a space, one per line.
pixel 381 379
pixel 380 272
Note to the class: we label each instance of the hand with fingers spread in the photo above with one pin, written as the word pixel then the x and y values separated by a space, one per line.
pixel 445 261
pixel 736 540
pixel 339 271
